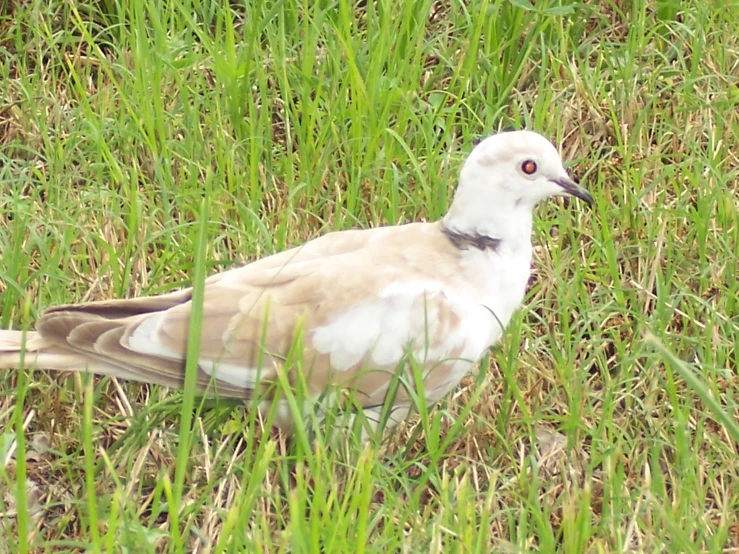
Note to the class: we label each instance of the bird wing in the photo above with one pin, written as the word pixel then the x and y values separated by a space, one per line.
pixel 356 301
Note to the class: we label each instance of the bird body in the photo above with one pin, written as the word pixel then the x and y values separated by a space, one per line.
pixel 358 302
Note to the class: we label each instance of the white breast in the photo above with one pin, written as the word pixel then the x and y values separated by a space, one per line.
pixel 498 280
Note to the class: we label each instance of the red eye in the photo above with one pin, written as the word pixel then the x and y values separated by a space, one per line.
pixel 529 167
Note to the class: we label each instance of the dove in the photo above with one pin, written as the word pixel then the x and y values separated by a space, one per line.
pixel 367 307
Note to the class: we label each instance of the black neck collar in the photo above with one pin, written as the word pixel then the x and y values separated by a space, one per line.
pixel 465 241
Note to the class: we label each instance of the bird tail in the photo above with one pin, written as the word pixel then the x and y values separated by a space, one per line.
pixel 17 347
pixel 31 350
pixel 20 349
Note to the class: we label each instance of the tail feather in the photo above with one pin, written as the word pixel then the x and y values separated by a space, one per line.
pixel 30 350
pixel 14 342
pixel 19 349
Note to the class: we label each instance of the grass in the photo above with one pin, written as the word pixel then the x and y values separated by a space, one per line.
pixel 293 118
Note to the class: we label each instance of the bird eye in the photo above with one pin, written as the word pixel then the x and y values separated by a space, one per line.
pixel 529 167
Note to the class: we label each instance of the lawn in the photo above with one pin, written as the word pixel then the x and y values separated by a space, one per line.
pixel 604 421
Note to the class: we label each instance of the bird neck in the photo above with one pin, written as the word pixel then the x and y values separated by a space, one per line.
pixel 483 224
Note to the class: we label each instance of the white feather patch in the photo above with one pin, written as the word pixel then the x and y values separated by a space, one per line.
pixel 142 339
pixel 381 330
pixel 237 375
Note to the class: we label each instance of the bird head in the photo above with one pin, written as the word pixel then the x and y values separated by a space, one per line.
pixel 502 180
pixel 519 165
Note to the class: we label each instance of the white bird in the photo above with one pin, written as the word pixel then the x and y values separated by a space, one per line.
pixel 361 301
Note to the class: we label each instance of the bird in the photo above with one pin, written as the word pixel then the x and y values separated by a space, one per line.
pixel 367 307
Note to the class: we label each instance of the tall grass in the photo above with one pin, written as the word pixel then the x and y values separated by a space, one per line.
pixel 293 118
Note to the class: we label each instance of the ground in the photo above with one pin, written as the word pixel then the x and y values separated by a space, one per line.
pixel 605 421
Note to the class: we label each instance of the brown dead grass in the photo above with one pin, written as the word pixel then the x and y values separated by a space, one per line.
pixel 588 134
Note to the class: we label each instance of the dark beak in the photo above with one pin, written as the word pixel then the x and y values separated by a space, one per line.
pixel 573 189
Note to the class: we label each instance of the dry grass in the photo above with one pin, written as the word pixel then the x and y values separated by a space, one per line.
pixel 579 437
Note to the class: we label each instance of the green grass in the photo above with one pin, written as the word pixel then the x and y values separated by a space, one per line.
pixel 292 118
